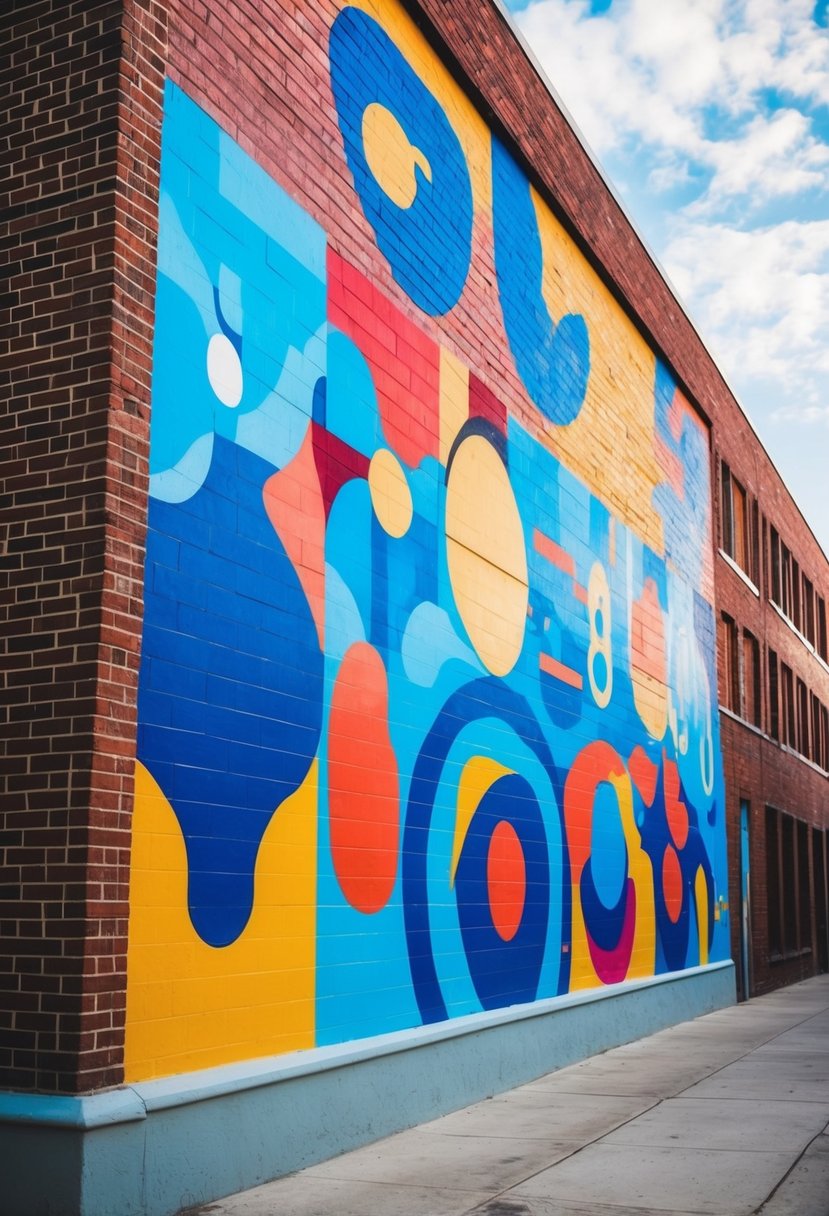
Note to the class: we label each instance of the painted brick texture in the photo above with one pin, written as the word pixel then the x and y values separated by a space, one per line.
pixel 415 478
pixel 81 94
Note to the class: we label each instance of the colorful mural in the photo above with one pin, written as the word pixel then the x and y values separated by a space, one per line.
pixel 426 703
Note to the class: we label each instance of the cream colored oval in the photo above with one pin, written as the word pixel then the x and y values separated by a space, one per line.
pixel 390 155
pixel 486 554
pixel 390 493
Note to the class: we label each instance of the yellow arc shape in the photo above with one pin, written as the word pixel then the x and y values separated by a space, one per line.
pixel 390 493
pixel 479 773
pixel 486 554
pixel 391 157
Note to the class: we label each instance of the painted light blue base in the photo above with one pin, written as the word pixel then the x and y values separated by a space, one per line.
pixel 151 1149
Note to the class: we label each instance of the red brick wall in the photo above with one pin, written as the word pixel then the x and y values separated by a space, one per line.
pixel 757 768
pixel 82 115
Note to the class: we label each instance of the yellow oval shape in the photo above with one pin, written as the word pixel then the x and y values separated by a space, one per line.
pixel 390 493
pixel 391 157
pixel 486 554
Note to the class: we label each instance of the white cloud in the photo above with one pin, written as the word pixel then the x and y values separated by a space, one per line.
pixel 713 103
pixel 640 74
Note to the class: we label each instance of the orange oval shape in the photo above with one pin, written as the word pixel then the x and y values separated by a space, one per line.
pixel 672 883
pixel 506 879
pixel 363 788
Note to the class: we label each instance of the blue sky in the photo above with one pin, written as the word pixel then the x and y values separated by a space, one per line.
pixel 711 119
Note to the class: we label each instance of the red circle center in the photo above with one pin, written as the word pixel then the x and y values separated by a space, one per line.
pixel 506 877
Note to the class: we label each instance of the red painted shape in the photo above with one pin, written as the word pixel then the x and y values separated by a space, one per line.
pixel 672 883
pixel 363 786
pixel 596 763
pixel 644 773
pixel 676 812
pixel 336 464
pixel 559 671
pixel 484 404
pixel 506 878
pixel 404 361
pixel 554 553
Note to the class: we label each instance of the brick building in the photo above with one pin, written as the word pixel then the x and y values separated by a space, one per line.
pixel 374 523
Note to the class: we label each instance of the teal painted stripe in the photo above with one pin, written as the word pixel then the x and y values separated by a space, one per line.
pixel 60 1110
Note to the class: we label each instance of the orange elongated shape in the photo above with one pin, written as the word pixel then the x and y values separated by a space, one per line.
pixel 363 784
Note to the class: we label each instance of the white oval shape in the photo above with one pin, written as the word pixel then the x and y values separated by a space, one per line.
pixel 224 370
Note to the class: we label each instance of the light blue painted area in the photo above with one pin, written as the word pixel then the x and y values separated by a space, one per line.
pixel 183 480
pixel 241 302
pixel 86 1112
pixel 430 641
pixel 348 548
pixel 277 428
pixel 745 899
pixel 247 186
pixel 351 411
pixel 343 622
pixel 607 846
pixel 282 1115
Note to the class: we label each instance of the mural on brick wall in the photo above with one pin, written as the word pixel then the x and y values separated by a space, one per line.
pixel 426 703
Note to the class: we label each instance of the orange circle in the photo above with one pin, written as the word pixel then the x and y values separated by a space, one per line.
pixel 506 879
pixel 672 883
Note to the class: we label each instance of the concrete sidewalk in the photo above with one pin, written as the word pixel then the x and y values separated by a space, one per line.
pixel 726 1114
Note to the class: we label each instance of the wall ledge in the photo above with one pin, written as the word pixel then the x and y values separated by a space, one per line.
pixel 133 1102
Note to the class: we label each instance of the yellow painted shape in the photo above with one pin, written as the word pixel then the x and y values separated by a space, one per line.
pixel 640 870
pixel 610 445
pixel 650 696
pixel 582 972
pixel 454 400
pixel 701 899
pixel 390 493
pixel 391 157
pixel 486 554
pixel 190 1005
pixel 477 776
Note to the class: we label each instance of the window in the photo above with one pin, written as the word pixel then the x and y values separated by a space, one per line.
pixel 787 885
pixel 774 697
pixel 739 523
pixel 808 625
pixel 787 714
pixel 795 614
pixel 785 579
pixel 774 545
pixel 728 663
pixel 821 628
pixel 802 719
pixel 751 679
pixel 804 911
pixel 820 733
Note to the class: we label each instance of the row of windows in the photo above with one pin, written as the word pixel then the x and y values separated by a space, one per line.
pixel 795 716
pixel 785 583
